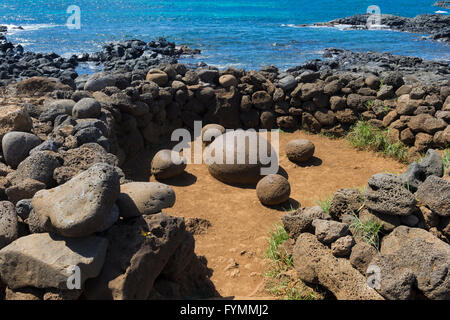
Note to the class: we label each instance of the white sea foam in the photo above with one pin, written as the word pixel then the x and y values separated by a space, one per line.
pixel 13 29
pixel 441 11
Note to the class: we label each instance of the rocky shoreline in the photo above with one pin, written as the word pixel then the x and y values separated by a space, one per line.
pixel 437 26
pixel 130 55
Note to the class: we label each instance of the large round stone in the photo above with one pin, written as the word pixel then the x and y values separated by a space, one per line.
pixel 211 131
pixel 17 145
pixel 235 157
pixel 273 189
pixel 86 108
pixel 167 164
pixel 300 150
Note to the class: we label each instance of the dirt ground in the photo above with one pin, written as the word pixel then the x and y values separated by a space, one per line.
pixel 236 242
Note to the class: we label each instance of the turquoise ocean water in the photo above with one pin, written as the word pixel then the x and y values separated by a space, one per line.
pixel 247 34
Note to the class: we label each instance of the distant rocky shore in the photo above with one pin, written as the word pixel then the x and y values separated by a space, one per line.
pixel 137 56
pixel 130 55
pixel 437 26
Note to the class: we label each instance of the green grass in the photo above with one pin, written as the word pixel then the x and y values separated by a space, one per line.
pixel 325 204
pixel 365 136
pixel 284 287
pixel 446 159
pixel 368 231
pixel 277 238
pixel 369 104
pixel 280 281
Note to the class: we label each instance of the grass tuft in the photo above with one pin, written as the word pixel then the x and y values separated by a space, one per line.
pixel 277 238
pixel 367 137
pixel 325 204
pixel 281 281
pixel 446 159
pixel 367 231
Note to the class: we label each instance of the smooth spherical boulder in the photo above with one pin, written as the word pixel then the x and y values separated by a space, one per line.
pixel 228 80
pixel 167 164
pixel 211 131
pixel 144 198
pixel 235 157
pixel 86 108
pixel 273 189
pixel 300 150
pixel 17 145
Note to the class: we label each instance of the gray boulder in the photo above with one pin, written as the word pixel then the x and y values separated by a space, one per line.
pixel 361 256
pixel 81 206
pixel 23 208
pixel 112 218
pixel 413 262
pixel 99 81
pixel 387 195
pixel 416 173
pixel 56 108
pixel 38 166
pixel 301 221
pixel 86 108
pixel 287 83
pixel 163 166
pixel 413 176
pixel 346 202
pixel 47 145
pixel 342 247
pixel 237 157
pixel 435 194
pixel 8 223
pixel 144 198
pixel 43 260
pixel 432 164
pixel 16 146
pixel 328 231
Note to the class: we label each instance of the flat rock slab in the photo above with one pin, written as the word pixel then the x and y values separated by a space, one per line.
pixel 81 206
pixel 42 260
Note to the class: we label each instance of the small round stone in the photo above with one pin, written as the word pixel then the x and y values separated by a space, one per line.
pixel 273 189
pixel 300 150
pixel 164 167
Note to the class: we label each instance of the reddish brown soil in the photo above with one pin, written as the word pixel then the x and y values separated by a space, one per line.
pixel 236 242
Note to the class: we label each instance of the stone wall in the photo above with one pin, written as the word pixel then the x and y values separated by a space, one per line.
pixel 318 102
